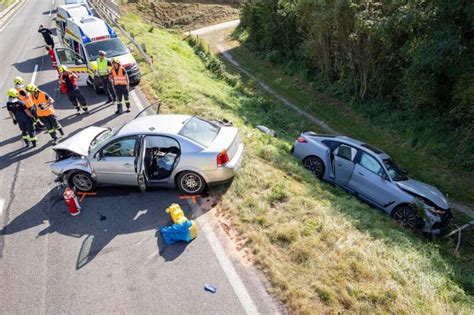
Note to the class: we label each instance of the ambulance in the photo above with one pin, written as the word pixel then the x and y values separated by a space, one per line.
pixel 84 38
pixel 70 11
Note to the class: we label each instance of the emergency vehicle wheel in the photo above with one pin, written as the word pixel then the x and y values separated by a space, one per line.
pixel 82 181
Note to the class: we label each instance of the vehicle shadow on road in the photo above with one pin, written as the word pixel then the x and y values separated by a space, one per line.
pixel 112 212
pixel 22 153
pixel 28 65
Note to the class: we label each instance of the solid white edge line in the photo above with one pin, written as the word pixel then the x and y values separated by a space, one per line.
pixel 33 78
pixel 235 281
pixel 50 12
pixel 2 203
pixel 12 18
pixel 136 100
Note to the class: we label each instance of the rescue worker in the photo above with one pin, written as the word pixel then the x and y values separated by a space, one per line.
pixel 69 81
pixel 121 85
pixel 46 32
pixel 104 74
pixel 26 99
pixel 51 54
pixel 45 110
pixel 21 116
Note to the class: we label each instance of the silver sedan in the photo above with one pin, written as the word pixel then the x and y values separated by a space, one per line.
pixel 161 150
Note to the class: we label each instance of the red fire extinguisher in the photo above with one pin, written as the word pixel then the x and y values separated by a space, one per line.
pixel 71 201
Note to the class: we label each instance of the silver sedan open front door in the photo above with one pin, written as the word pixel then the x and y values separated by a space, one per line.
pixel 142 176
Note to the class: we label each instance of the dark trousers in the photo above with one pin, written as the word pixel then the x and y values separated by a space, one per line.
pixel 51 123
pixel 51 44
pixel 122 93
pixel 76 98
pixel 107 87
pixel 27 130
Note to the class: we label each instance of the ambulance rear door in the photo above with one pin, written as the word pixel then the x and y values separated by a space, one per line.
pixel 74 62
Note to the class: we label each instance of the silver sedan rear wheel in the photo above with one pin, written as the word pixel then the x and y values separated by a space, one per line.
pixel 191 183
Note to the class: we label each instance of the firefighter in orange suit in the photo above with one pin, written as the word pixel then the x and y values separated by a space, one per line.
pixel 45 111
pixel 26 99
pixel 121 85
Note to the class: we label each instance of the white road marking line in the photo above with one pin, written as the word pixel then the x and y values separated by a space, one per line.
pixel 11 19
pixel 33 78
pixel 136 100
pixel 235 281
pixel 2 203
pixel 50 12
pixel 226 265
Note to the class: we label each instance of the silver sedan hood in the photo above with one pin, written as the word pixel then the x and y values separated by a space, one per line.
pixel 426 191
pixel 80 142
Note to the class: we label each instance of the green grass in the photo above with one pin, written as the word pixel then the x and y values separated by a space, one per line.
pixel 6 3
pixel 322 250
pixel 424 162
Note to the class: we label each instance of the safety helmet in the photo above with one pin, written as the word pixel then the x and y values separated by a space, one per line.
pixel 18 80
pixel 31 87
pixel 13 93
pixel 102 53
pixel 63 69
pixel 116 60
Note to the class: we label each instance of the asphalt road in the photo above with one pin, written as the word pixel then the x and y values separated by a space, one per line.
pixel 111 258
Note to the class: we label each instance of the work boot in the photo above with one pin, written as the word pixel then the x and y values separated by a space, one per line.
pixel 54 141
pixel 33 143
pixel 128 109
pixel 61 131
pixel 78 110
pixel 86 111
pixel 27 143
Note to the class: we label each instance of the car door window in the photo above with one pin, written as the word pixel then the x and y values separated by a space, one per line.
pixel 160 156
pixel 346 152
pixel 67 56
pixel 370 163
pixel 121 148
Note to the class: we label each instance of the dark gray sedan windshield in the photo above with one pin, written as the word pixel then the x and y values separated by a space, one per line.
pixel 394 171
pixel 200 131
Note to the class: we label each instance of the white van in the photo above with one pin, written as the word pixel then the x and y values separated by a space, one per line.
pixel 84 38
pixel 70 11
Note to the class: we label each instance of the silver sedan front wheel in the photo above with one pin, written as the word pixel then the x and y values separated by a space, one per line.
pixel 82 181
pixel 191 183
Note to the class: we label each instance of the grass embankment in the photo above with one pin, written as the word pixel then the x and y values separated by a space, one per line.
pixel 5 3
pixel 427 158
pixel 322 250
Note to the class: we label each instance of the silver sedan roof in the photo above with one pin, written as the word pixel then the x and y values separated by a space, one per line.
pixel 166 124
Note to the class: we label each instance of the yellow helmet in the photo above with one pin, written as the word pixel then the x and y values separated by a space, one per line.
pixel 63 68
pixel 18 80
pixel 13 93
pixel 31 87
pixel 116 60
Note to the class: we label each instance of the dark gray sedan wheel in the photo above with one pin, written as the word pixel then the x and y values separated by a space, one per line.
pixel 315 165
pixel 82 181
pixel 407 217
pixel 191 183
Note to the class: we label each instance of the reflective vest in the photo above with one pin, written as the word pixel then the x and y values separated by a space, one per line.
pixel 26 98
pixel 102 66
pixel 120 77
pixel 42 109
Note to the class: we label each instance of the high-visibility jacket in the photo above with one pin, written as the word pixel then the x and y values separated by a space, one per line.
pixel 119 77
pixel 25 98
pixel 42 108
pixel 102 66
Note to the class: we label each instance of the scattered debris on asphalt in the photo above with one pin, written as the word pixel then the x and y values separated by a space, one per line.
pixel 210 288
